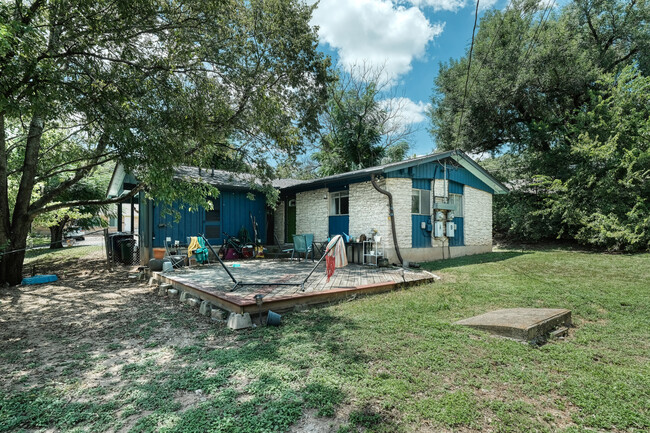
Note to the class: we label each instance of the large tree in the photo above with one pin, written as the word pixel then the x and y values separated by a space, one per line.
pixel 362 124
pixel 150 83
pixel 535 72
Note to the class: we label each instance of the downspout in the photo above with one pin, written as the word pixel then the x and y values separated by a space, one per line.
pixel 391 213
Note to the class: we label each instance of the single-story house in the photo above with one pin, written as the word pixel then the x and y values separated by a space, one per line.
pixel 440 206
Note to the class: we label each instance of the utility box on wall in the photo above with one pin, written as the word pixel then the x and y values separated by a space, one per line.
pixel 451 229
pixel 438 229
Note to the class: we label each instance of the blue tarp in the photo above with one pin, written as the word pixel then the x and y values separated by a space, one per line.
pixel 40 279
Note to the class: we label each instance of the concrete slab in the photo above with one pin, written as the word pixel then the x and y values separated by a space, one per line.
pixel 520 323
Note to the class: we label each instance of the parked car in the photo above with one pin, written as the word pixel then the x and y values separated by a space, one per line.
pixel 75 233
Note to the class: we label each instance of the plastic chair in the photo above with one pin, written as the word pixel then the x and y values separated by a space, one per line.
pixel 309 240
pixel 300 245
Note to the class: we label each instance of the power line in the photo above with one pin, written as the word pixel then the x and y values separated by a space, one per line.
pixel 469 66
pixel 545 15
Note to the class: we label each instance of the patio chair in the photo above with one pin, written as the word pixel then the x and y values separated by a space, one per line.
pixel 301 245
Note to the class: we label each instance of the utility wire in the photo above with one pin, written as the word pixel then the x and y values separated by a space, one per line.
pixel 545 15
pixel 489 51
pixel 469 66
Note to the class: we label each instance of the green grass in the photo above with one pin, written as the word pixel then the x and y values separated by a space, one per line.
pixel 395 362
pixel 59 255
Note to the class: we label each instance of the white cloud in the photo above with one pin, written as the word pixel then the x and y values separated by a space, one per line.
pixel 452 5
pixel 375 31
pixel 440 5
pixel 409 111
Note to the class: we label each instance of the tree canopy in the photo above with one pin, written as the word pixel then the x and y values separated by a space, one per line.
pixel 546 97
pixel 361 125
pixel 150 83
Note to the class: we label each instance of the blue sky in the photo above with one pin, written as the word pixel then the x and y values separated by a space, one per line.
pixel 408 37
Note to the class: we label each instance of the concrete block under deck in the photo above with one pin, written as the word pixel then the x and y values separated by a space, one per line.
pixel 212 284
pixel 520 323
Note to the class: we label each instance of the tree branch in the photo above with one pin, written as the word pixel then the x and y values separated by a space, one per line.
pixel 78 203
pixel 80 174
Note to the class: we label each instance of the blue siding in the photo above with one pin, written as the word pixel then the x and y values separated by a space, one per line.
pixel 422 184
pixel 420 238
pixel 235 213
pixel 235 208
pixel 463 176
pixel 455 187
pixel 459 239
pixel 339 224
pixel 165 225
pixel 435 170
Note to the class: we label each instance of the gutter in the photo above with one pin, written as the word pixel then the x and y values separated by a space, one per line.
pixel 391 213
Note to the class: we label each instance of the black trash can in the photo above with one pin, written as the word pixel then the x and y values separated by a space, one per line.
pixel 127 251
pixel 116 248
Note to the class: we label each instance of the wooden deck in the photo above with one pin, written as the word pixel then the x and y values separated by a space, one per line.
pixel 212 283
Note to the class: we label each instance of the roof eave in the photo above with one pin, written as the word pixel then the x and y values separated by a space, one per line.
pixel 478 171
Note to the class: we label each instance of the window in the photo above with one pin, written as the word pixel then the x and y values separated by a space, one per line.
pixel 215 213
pixel 340 203
pixel 421 202
pixel 457 199
pixel 212 226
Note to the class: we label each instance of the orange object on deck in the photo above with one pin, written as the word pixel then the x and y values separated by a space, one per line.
pixel 158 253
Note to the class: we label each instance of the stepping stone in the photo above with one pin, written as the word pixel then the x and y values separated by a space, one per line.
pixel 520 323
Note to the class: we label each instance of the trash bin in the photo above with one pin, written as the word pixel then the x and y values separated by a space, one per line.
pixel 116 248
pixel 127 248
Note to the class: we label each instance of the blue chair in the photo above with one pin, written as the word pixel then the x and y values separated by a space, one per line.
pixel 302 244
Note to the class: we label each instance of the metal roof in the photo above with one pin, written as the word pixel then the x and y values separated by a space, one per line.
pixel 228 179
pixel 457 155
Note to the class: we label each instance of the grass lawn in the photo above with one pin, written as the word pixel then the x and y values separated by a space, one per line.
pixel 95 352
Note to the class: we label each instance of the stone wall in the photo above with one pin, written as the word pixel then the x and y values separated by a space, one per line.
pixel 312 213
pixel 439 188
pixel 278 221
pixel 477 216
pixel 369 210
pixel 401 189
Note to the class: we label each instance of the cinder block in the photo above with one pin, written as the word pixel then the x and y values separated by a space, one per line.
pixel 240 321
pixel 192 302
pixel 153 281
pixel 205 308
pixel 184 296
pixel 172 293
pixel 218 314
pixel 163 288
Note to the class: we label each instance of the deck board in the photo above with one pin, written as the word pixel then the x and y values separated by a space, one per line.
pixel 214 284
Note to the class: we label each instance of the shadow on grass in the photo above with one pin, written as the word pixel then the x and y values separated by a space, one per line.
pixel 471 260
pixel 113 356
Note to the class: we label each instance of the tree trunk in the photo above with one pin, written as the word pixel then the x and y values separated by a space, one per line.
pixel 56 234
pixel 11 267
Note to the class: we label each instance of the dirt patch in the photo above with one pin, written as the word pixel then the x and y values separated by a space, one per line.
pixel 312 423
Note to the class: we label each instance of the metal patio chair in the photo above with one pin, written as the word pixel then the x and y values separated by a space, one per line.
pixel 302 244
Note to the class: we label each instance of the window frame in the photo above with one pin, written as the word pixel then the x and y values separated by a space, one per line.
pixel 213 226
pixel 419 192
pixel 338 195
pixel 460 210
